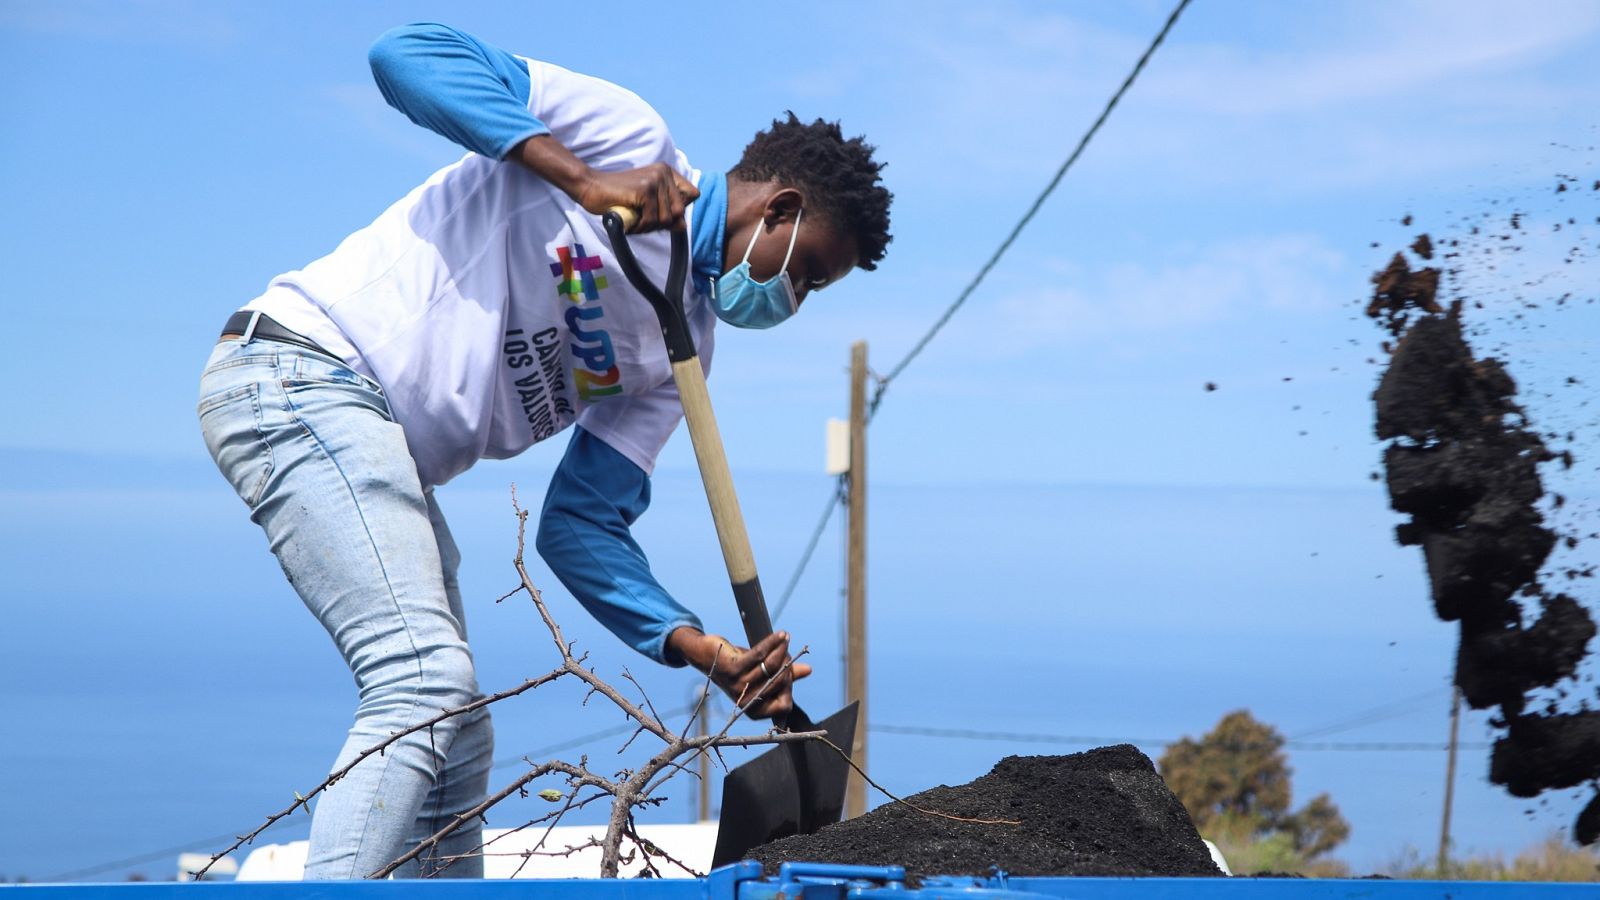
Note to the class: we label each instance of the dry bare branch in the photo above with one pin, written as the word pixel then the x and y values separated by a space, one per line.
pixel 628 789
pixel 304 800
pixel 571 802
pixel 575 773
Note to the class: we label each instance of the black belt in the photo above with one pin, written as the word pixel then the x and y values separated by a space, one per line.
pixel 268 329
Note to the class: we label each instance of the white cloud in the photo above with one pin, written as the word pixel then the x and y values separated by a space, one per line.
pixel 1199 286
pixel 1311 98
pixel 1133 307
pixel 1386 51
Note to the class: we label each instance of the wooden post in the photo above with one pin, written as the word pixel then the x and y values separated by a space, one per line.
pixel 1449 782
pixel 703 730
pixel 855 802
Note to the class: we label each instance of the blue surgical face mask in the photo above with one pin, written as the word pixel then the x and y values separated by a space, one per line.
pixel 743 302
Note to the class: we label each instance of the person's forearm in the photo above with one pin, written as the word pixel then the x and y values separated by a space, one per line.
pixel 656 193
pixel 554 163
pixel 613 582
pixel 594 496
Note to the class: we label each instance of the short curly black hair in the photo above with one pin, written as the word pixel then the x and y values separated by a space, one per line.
pixel 838 176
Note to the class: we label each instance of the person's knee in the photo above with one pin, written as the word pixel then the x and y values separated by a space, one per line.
pixel 472 755
pixel 426 682
pixel 448 679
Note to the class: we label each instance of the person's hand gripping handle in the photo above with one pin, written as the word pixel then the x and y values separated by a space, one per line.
pixel 656 195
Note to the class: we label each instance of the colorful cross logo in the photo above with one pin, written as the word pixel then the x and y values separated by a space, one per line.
pixel 578 273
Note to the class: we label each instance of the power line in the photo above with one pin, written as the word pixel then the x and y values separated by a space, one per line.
pixel 811 547
pixel 1098 740
pixel 1298 741
pixel 1375 714
pixel 983 272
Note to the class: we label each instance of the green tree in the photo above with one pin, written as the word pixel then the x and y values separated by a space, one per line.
pixel 1235 783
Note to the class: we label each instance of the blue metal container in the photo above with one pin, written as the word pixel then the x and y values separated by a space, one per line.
pixel 816 881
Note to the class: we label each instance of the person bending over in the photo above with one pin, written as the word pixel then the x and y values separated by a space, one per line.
pixel 478 315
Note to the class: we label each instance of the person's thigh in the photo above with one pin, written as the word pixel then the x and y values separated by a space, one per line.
pixel 310 447
pixel 351 526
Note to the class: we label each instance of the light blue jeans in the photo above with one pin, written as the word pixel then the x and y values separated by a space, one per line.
pixel 312 450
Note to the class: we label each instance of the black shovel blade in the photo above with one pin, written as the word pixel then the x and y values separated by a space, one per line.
pixel 790 789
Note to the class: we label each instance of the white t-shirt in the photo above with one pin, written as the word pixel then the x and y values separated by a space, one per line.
pixel 488 305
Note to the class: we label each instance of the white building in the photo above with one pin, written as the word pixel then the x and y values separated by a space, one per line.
pixel 508 851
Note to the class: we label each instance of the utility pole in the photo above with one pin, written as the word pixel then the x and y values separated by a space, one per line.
pixel 704 758
pixel 855 799
pixel 1449 782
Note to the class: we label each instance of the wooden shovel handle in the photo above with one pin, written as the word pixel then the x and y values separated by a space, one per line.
pixel 725 512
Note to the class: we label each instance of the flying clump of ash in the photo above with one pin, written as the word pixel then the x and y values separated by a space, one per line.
pixel 1463 462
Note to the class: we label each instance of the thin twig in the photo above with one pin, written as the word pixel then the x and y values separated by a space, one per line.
pixel 632 832
pixel 638 786
pixel 630 788
pixel 705 693
pixel 305 800
pixel 651 848
pixel 754 740
pixel 528 855
pixel 716 744
pixel 553 817
pixel 582 775
pixel 903 802
pixel 629 742
pixel 596 684
pixel 642 694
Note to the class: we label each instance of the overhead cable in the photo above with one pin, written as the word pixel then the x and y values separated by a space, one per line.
pixel 1015 737
pixel 983 271
pixel 834 501
pixel 882 382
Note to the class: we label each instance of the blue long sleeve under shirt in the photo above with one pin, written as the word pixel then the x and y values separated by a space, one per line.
pixel 595 495
pixel 477 96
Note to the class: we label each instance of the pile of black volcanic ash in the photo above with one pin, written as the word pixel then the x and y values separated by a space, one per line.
pixel 1102 812
pixel 1463 463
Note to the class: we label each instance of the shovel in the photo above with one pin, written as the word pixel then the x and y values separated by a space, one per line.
pixel 793 788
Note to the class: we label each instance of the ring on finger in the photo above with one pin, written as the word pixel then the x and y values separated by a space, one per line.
pixel 764 669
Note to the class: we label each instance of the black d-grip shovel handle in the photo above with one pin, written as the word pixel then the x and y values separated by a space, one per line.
pixel 669 305
pixel 691 382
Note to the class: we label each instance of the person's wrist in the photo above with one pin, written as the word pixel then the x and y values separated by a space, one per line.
pixel 683 643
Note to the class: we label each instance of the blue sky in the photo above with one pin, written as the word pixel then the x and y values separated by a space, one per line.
pixel 1069 535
